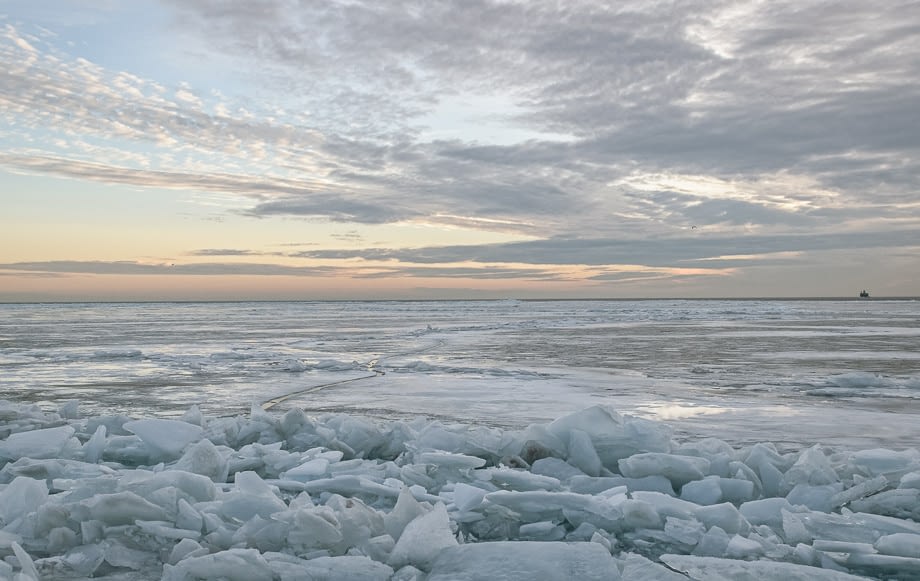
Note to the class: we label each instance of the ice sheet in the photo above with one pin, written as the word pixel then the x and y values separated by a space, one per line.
pixel 843 369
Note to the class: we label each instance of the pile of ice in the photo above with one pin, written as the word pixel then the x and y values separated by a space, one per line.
pixel 592 495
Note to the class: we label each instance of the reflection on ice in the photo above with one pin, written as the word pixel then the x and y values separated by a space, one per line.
pixel 590 495
pixel 663 410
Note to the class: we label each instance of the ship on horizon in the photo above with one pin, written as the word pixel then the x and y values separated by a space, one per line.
pixel 864 294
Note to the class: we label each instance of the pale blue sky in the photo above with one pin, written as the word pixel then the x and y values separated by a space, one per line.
pixel 277 149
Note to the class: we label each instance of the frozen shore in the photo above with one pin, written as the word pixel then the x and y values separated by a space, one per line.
pixel 591 495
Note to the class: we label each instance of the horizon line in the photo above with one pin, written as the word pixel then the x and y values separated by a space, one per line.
pixel 481 299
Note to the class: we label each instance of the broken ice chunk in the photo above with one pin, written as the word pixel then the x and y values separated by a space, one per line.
pixel 890 463
pixel 449 460
pixel 900 544
pixel 25 563
pixel 423 539
pixel 899 567
pixel 794 531
pixel 638 567
pixel 842 546
pixel 766 511
pixel 342 568
pixel 706 491
pixel 92 450
pixel 576 508
pixel 358 522
pixel 406 510
pixel 812 467
pixel 520 479
pixel 164 438
pixel 194 487
pixel 7 539
pixel 314 527
pixel 684 531
pixel 715 569
pixel 252 497
pixel 185 548
pixel 231 565
pixel 349 485
pixel 166 530
pixel 910 480
pixel 21 497
pixel 44 443
pixel 712 544
pixel 121 508
pixel 582 453
pixel 819 498
pixel 678 469
pixel 546 530
pixel 556 468
pixel 666 505
pixel 204 458
pixel 187 517
pixel 614 436
pixel 725 516
pixel 901 503
pixel 309 470
pixel 743 548
pixel 861 490
pixel 467 497
pixel 524 561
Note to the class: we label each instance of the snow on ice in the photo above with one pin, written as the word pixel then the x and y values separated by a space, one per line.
pixel 592 495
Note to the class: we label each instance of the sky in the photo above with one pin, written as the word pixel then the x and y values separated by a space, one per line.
pixel 284 149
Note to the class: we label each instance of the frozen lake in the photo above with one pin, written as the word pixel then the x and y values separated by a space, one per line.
pixel 428 441
pixel 793 372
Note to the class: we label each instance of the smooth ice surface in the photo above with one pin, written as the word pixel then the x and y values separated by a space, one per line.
pixel 839 373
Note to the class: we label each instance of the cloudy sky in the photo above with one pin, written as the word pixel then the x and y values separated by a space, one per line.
pixel 274 149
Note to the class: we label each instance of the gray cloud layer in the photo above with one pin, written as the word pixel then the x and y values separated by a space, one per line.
pixel 679 252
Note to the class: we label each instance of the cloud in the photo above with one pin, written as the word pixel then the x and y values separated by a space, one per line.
pixel 133 268
pixel 335 207
pixel 238 184
pixel 352 236
pixel 128 267
pixel 723 90
pixel 223 252
pixel 673 252
pixel 772 127
pixel 479 273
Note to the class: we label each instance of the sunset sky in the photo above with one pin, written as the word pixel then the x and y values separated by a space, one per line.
pixel 276 149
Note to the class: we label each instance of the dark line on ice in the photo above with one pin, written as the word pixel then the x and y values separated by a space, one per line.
pixel 371 366
pixel 268 404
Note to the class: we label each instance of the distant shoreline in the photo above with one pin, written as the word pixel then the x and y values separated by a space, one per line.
pixel 470 300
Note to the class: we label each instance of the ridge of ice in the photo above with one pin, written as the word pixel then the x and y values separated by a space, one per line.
pixel 592 495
